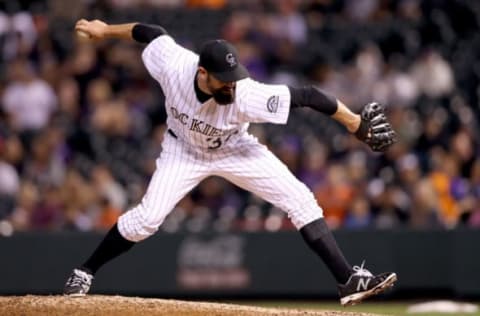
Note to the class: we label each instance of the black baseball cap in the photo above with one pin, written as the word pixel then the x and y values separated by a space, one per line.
pixel 220 58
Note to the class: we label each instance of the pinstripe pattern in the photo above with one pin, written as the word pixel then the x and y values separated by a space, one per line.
pixel 176 174
pixel 213 140
pixel 254 168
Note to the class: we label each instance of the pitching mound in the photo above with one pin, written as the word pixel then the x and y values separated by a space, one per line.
pixel 98 305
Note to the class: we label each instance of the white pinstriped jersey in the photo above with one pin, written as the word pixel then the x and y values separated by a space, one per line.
pixel 209 126
pixel 209 133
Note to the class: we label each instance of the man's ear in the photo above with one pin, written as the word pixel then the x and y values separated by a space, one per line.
pixel 202 73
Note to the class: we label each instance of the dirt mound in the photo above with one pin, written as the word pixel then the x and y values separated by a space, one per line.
pixel 99 305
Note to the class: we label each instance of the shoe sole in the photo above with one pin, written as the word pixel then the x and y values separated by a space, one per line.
pixel 75 295
pixel 358 297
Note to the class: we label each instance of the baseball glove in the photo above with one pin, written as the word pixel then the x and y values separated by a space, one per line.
pixel 374 128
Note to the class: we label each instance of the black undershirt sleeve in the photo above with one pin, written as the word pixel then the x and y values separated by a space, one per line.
pixel 145 33
pixel 313 98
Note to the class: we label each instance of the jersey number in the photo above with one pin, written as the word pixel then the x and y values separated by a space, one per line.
pixel 214 143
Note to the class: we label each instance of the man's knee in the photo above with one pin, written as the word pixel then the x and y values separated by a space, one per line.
pixel 303 210
pixel 135 226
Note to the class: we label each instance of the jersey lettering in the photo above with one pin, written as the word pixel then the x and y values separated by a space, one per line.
pixel 216 132
pixel 182 117
pixel 196 126
pixel 207 129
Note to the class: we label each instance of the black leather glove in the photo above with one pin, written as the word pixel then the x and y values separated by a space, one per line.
pixel 374 128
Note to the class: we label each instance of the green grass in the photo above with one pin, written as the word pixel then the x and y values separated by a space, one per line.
pixel 383 308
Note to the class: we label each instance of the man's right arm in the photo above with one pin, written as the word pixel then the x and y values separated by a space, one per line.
pixel 98 30
pixel 161 56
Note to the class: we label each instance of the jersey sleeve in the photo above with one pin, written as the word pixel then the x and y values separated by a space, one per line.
pixel 163 54
pixel 264 103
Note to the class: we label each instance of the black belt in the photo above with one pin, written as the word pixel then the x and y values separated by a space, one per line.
pixel 172 133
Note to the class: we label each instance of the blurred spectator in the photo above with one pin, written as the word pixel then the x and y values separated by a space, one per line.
pixel 443 177
pixel 68 101
pixel 79 202
pixel 396 87
pixel 46 164
pixel 9 180
pixel 27 99
pixel 27 200
pixel 474 220
pixel 82 64
pixel 289 24
pixel 424 211
pixel 359 10
pixel 433 74
pixel 105 185
pixel 108 215
pixel 335 195
pixel 20 34
pixel 359 214
pixel 9 186
pixel 111 118
pixel 48 213
pixel 314 164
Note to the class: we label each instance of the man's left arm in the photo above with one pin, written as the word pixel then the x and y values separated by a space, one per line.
pixel 370 126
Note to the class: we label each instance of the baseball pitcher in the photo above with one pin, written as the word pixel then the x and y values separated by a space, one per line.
pixel 210 101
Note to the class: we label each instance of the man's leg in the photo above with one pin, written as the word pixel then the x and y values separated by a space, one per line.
pixel 257 170
pixel 319 238
pixel 176 174
pixel 113 245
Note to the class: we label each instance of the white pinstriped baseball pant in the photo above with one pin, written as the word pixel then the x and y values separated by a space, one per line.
pixel 250 165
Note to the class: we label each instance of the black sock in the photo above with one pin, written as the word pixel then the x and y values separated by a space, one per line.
pixel 319 238
pixel 111 247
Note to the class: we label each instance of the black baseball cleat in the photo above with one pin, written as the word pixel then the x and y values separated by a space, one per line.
pixel 363 284
pixel 78 284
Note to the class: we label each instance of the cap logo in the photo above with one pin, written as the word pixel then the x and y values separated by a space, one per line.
pixel 231 60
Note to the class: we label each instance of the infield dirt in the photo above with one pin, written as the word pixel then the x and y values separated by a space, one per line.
pixel 99 305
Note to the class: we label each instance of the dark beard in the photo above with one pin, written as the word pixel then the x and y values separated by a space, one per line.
pixel 224 98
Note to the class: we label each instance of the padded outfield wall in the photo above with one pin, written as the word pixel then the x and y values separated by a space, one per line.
pixel 240 265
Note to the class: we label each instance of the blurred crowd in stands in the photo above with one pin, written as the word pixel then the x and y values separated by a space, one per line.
pixel 81 124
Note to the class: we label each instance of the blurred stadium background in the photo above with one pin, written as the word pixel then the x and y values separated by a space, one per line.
pixel 81 125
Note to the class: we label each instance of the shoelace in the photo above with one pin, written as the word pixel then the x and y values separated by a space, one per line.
pixel 78 280
pixel 360 271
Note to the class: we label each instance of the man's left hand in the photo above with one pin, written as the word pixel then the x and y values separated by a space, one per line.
pixel 374 128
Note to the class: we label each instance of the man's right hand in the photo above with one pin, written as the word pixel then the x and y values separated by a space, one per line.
pixel 96 29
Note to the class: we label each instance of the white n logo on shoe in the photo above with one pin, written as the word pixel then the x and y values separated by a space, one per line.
pixel 363 283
